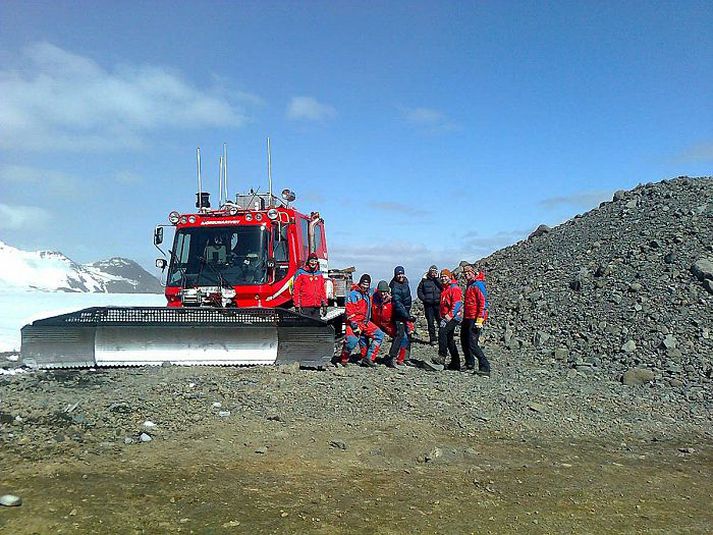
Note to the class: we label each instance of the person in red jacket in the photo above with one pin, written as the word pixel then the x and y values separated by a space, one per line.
pixel 382 315
pixel 451 312
pixel 308 293
pixel 474 316
pixel 359 324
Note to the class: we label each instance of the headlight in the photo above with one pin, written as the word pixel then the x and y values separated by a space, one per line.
pixel 248 217
pixel 258 217
pixel 272 213
pixel 233 210
pixel 192 219
pixel 173 217
pixel 183 219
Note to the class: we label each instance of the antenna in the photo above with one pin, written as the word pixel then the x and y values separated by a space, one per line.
pixel 225 170
pixel 269 172
pixel 220 181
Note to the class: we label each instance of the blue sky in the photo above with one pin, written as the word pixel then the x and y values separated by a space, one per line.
pixel 424 132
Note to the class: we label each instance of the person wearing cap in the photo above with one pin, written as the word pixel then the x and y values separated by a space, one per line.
pixel 308 292
pixel 429 292
pixel 401 312
pixel 475 314
pixel 451 310
pixel 382 315
pixel 359 324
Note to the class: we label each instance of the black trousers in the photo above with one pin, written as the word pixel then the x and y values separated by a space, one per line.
pixel 400 337
pixel 469 338
pixel 433 317
pixel 447 343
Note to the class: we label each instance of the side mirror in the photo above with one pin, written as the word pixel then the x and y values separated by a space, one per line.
pixel 158 236
pixel 161 263
pixel 270 263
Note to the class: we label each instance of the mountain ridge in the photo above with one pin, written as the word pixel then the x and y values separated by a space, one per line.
pixel 53 271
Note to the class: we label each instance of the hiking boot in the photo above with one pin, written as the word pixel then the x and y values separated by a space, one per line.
pixel 432 366
pixel 367 363
pixel 482 373
pixel 453 367
pixel 390 363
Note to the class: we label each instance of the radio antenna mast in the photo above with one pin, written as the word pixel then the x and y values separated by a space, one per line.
pixel 269 172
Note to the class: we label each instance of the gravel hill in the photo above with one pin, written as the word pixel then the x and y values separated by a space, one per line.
pixel 626 287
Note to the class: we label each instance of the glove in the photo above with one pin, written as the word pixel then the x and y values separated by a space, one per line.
pixel 443 323
pixel 411 319
pixel 324 310
pixel 479 323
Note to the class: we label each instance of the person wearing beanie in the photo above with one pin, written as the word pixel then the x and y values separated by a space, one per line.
pixel 382 315
pixel 359 327
pixel 451 310
pixel 475 314
pixel 401 314
pixel 429 292
pixel 308 291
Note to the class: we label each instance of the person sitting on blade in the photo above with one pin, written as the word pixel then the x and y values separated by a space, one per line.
pixel 382 315
pixel 359 324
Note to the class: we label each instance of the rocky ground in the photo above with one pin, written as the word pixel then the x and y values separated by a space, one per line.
pixel 576 431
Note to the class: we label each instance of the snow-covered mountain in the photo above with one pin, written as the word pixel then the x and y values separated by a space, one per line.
pixel 53 271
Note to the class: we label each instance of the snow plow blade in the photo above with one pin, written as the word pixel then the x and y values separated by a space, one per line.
pixel 139 336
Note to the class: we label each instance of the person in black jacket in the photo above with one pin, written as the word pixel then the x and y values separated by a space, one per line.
pixel 429 292
pixel 401 312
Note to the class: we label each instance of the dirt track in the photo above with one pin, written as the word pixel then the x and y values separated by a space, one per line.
pixel 351 451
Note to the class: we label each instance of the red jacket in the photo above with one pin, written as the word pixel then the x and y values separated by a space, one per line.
pixel 381 312
pixel 476 299
pixel 308 288
pixel 452 301
pixel 358 307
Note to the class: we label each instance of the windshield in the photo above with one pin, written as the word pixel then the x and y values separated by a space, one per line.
pixel 226 256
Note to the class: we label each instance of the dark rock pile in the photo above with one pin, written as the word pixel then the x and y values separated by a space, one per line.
pixel 627 286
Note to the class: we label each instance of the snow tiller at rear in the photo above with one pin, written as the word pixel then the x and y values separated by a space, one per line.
pixel 228 291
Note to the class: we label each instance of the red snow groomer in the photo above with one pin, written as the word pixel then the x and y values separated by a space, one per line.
pixel 228 289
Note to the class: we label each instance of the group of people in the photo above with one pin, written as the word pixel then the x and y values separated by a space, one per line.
pixel 370 315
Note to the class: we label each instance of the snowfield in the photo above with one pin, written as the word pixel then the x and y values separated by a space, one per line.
pixel 19 307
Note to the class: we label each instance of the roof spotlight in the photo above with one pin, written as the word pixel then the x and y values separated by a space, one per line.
pixel 174 217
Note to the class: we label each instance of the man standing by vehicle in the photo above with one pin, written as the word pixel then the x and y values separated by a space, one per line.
pixel 359 324
pixel 308 291
pixel 429 292
pixel 475 315
pixel 451 310
pixel 401 314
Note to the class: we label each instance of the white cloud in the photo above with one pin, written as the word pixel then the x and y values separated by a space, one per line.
pixel 56 100
pixel 478 246
pixel 309 109
pixel 43 180
pixel 380 259
pixel 22 217
pixel 702 152
pixel 399 208
pixel 583 200
pixel 427 118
